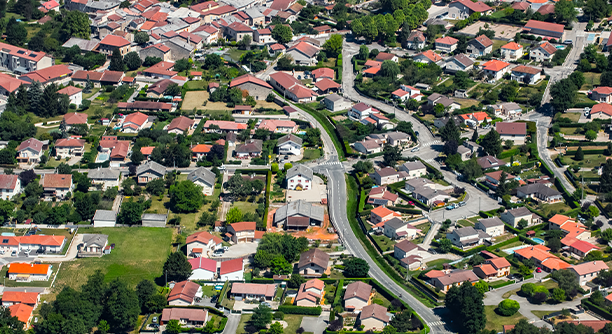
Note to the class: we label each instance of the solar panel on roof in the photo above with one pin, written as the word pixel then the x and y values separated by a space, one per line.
pixel 21 52
pixel 32 55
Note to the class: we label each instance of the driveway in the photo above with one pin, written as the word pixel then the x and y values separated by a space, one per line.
pixel 240 250
pixel 70 255
pixel 242 306
pixel 231 326
pixel 317 192
pixel 315 325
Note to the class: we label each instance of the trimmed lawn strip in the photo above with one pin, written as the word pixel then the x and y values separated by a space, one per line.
pixel 496 321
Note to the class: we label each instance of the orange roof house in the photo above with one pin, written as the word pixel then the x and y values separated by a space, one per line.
pixel 495 65
pixel 15 297
pixel 23 312
pixel 512 46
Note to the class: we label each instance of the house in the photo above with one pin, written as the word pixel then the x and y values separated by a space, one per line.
pixel 458 63
pixel 250 149
pixel 414 169
pixel 512 51
pixel 58 74
pixel 135 122
pixel 107 177
pixel 278 126
pixel 291 87
pixel 299 215
pixel 491 226
pixel 105 218
pixel 495 68
pixel 242 232
pixel 446 44
pixel 335 102
pixel 360 111
pixel 467 236
pixel 369 146
pixel 28 272
pixel 602 94
pixel 150 106
pixel 513 216
pixel 237 30
pixel 224 126
pixel 448 103
pixel 10 298
pixel 203 178
pixel 539 192
pixel 309 293
pixel 396 228
pixel 231 270
pixel 517 132
pixel 406 92
pixel 29 151
pixel 150 171
pixel 387 175
pixel 462 9
pixel 201 242
pixel 202 269
pixel 19 60
pixel 42 243
pixel 545 29
pixel 492 179
pixel 416 40
pixel 154 220
pixel 382 56
pixel 326 86
pixel 485 271
pixel 57 185
pixel 180 124
pixel 428 57
pixel 542 52
pixel 480 46
pixel 22 312
pixel 93 245
pixel 256 87
pixel 313 263
pixel 111 42
pixel 116 149
pixel 501 265
pixel 409 254
pixel 397 138
pixel 289 144
pixel 357 296
pixel 158 89
pixel 69 147
pixel 303 53
pixel 382 214
pixel 374 317
pixel 581 248
pixel 299 177
pixel 200 151
pixel 489 161
pixel 382 196
pixel 323 73
pixel 249 291
pixel 574 230
pixel 75 95
pixel 525 74
pixel 242 110
pixel 599 111
pixel 430 196
pixel 505 110
pixel 540 255
pixel 10 185
pixel 189 317
pixel 457 277
pixel 588 271
pixel 184 294
pixel 441 122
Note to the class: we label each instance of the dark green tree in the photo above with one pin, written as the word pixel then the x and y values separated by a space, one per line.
pixel 122 307
pixel 177 267
pixel 491 143
pixel 130 213
pixel 132 60
pixel 282 34
pixel 116 61
pixel 145 290
pixel 391 154
pixel 16 33
pixel 356 267
pixel 185 196
pixel 450 131
pixel 262 316
pixel 468 308
pixel 579 156
pixel 75 24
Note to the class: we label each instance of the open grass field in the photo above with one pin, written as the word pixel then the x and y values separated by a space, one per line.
pixel 383 242
pixel 558 207
pixel 540 314
pixel 140 253
pixel 591 80
pixel 589 161
pixel 573 116
pixel 571 131
pixel 466 103
pixel 496 321
pixel 196 100
pixel 197 84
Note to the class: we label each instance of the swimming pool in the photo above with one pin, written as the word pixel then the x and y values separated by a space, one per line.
pixel 102 157
pixel 538 240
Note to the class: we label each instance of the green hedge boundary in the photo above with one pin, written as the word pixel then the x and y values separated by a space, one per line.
pixel 293 309
pixel 587 305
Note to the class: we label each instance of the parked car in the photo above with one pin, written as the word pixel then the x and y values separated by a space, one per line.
pixel 538 270
pixel 154 319
pixel 450 207
pixel 266 304
pixel 416 149
pixel 14 253
pixel 462 203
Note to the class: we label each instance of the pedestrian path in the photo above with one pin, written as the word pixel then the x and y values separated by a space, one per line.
pixel 431 143
pixel 328 163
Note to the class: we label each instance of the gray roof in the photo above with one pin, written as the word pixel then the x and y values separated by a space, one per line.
pixel 300 170
pixel 418 182
pixel 301 208
pixel 519 212
pixel 253 13
pixel 289 137
pixel 539 189
pixel 463 149
pixel 180 43
pixel 414 165
pixel 104 173
pixel 151 165
pixel 83 44
pixel 465 231
pixel 397 135
pixel 429 193
pixel 95 239
pixel 491 222
pixel 103 5
pixel 202 174
pixel 105 215
pixel 463 60
pixel 511 106
pixel 154 216
pixel 334 97
pixel 395 223
pixel 250 146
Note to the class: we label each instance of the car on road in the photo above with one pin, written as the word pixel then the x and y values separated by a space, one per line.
pixel 450 207
pixel 432 251
pixel 416 133
pixel 416 149
pixel 462 203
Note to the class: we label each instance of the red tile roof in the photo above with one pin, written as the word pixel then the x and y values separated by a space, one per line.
pixel 602 108
pixel 57 180
pixel 429 54
pixel 515 128
pixel 231 266
pixel 75 117
pixel 495 65
pixel 447 40
pixel 28 268
pixel 326 84
pixel 526 69
pixel 181 123
pixel 20 297
pixel 70 142
pixel 201 148
pixel 474 6
pixel 324 72
pixel 31 143
pixel 548 47
pixel 484 40
pixel 539 25
pixel 8 181
pixel 203 263
pixel 226 125
pixel 184 291
pixel 48 74
pixel 23 312
pixel 512 46
pixel 583 246
pixel 243 226
pixel 70 90
pixel 116 41
pixel 249 78
pixel 136 118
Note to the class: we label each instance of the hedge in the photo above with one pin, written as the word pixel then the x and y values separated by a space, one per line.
pixel 292 309
pixel 596 309
pixel 406 210
pixel 338 293
pixel 501 284
pixel 582 143
pixel 586 152
pixel 419 283
pixel 223 293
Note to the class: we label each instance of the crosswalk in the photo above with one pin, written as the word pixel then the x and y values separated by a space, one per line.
pixel 328 163
pixel 436 323
pixel 431 143
pixel 430 160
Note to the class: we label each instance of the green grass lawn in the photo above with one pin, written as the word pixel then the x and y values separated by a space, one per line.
pixel 197 85
pixel 513 244
pixel 497 44
pixel 571 131
pixel 380 300
pixel 437 264
pixel 383 242
pixel 246 206
pixel 591 80
pixel 589 161
pixel 311 154
pixel 582 98
pixel 244 320
pixel 573 116
pixel 158 206
pixel 496 321
pixel 140 253
pixel 540 314
pixel 328 296
pixel 209 290
pixel 293 321
pixel 465 223
pixel 93 92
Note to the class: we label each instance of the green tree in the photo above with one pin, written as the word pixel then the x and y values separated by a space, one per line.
pixel 275 328
pixel 130 212
pixel 173 89
pixel 363 52
pixel 554 244
pixel 579 155
pixel 508 307
pixel 156 187
pixel 145 290
pixel 75 24
pixel 116 61
pixel 282 34
pixel 563 95
pixel 186 196
pixel 132 60
pixel 467 306
pixel 391 154
pixel 402 321
pixel 590 135
pixel 137 157
pixel 333 46
pixel 558 295
pixel 389 330
pixel 122 307
pixel 234 215
pixel 177 267
pixel 482 286
pixel 565 11
pixel 461 80
pixel 567 281
pixel 389 69
pixel 295 281
pixel 450 131
pixel 445 245
pixel 173 327
pixel 262 316
pixel 141 37
pixel 16 33
pixel 182 65
pixel 356 267
pixel 491 143
pixel 280 266
pixel 527 289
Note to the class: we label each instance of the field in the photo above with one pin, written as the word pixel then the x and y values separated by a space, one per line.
pixel 557 207
pixel 139 253
pixel 195 99
pixel 590 80
pixel 589 161
pixel 573 116
pixel 496 321
pixel 293 323
pixel 383 242
pixel 466 103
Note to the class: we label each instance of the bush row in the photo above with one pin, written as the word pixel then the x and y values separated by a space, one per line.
pixel 293 309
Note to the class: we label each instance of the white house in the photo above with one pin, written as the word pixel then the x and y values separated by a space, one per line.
pixel 414 169
pixel 202 269
pixel 289 144
pixel 203 178
pixel 409 254
pixel 57 185
pixel 10 185
pixel 491 226
pixel 105 218
pixel 232 270
pixel 496 68
pixel 299 177
pixel 406 92
pixel 544 51
pixel 512 51
pixel 184 293
pixel 588 271
pixel 396 228
pixel 75 94
pixel 360 111
pixel 107 177
pixel 201 242
pixel 28 272
pixel 525 74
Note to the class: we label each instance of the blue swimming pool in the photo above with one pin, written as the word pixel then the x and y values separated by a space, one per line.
pixel 538 240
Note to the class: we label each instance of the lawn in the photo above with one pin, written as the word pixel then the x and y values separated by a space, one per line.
pixel 589 161
pixel 197 85
pixel 465 223
pixel 540 314
pixel 189 220
pixel 380 300
pixel 93 92
pixel 311 154
pixel 140 253
pixel 582 98
pixel 496 321
pixel 244 320
pixel 246 206
pixel 383 242
pixel 209 290
pixel 437 264
pixel 328 296
pixel 591 80
pixel 571 131
pixel 573 116
pixel 466 103
pixel 557 207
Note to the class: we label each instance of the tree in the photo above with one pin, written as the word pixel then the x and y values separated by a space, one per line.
pixel 150 61
pixel 122 307
pixel 156 303
pixel 186 196
pixel 508 307
pixel 554 244
pixel 130 212
pixel 445 245
pixel 275 328
pixel 565 11
pixel 116 61
pixel 173 327
pixel 296 280
pixel 563 95
pixel 16 33
pixel 63 168
pixel 450 131
pixel 363 166
pixel 579 155
pixel 75 24
pixel 173 89
pixel 467 306
pixel 234 215
pixel 389 69
pixel 282 34
pixel 132 60
pixel 491 143
pixel 590 135
pixel 212 61
pixel 144 290
pixel 482 286
pixel 141 37
pixel 156 187
pixel 558 295
pixel 567 280
pixel 177 267
pixel 509 92
pixel 389 330
pixel 262 316
pixel 280 266
pixel 461 80
pixel 356 267
pixel 137 157
pixel 363 52
pixel 333 46
pixel 450 147
pixel 391 154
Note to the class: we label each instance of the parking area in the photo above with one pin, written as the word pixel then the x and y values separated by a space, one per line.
pixel 239 250
pixel 315 325
pixel 502 31
pixel 314 195
pixel 244 306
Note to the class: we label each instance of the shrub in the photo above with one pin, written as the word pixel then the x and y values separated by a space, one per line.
pixel 508 307
pixel 290 309
pixel 527 289
pixel 279 315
